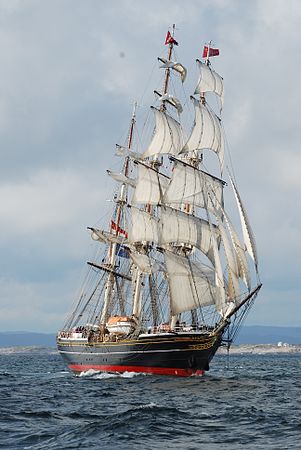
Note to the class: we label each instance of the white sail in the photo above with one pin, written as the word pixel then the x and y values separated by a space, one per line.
pixel 171 100
pixel 168 137
pixel 220 300
pixel 191 285
pixel 180 228
pixel 106 236
pixel 242 265
pixel 246 227
pixel 144 228
pixel 193 186
pixel 144 263
pixel 178 67
pixel 206 133
pixel 121 178
pixel 209 81
pixel 124 151
pixel 233 283
pixel 150 186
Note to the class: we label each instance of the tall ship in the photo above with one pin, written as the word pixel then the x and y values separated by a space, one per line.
pixel 176 270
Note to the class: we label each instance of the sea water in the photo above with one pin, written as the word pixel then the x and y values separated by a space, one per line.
pixel 248 402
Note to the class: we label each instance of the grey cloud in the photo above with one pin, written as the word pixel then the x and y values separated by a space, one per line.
pixel 65 101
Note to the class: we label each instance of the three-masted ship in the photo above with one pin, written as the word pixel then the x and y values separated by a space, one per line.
pixel 172 279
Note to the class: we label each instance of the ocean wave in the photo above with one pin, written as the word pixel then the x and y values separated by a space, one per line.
pixel 45 407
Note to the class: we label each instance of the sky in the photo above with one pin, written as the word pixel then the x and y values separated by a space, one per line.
pixel 70 72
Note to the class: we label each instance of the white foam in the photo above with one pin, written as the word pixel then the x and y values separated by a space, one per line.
pixel 106 375
pixel 99 375
pixel 88 373
pixel 147 406
pixel 131 374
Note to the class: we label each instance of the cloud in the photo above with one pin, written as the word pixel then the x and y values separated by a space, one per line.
pixel 36 305
pixel 272 309
pixel 47 200
pixel 70 72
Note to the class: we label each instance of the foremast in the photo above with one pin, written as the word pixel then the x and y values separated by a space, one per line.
pixel 115 227
pixel 171 42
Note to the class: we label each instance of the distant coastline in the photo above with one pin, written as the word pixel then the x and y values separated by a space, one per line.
pixel 244 349
pixel 261 349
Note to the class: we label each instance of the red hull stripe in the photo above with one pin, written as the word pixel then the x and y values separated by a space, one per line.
pixel 153 370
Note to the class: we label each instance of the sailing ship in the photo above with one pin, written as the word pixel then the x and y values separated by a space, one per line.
pixel 172 279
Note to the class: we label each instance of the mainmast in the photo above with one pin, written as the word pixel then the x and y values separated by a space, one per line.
pixel 155 164
pixel 115 226
pixel 170 41
pixel 173 318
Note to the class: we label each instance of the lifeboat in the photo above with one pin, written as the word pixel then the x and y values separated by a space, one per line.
pixel 121 324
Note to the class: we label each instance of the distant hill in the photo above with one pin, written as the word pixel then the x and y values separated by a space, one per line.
pixel 24 339
pixel 248 335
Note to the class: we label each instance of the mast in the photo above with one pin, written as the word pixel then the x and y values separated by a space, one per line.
pixel 137 294
pixel 167 71
pixel 116 229
pixel 170 41
pixel 208 53
pixel 173 318
pixel 153 296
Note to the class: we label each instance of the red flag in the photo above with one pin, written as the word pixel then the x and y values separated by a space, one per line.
pixel 170 40
pixel 212 52
pixel 118 229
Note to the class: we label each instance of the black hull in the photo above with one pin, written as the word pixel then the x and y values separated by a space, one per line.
pixel 180 355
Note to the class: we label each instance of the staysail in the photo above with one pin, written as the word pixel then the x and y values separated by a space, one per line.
pixel 249 238
pixel 242 264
